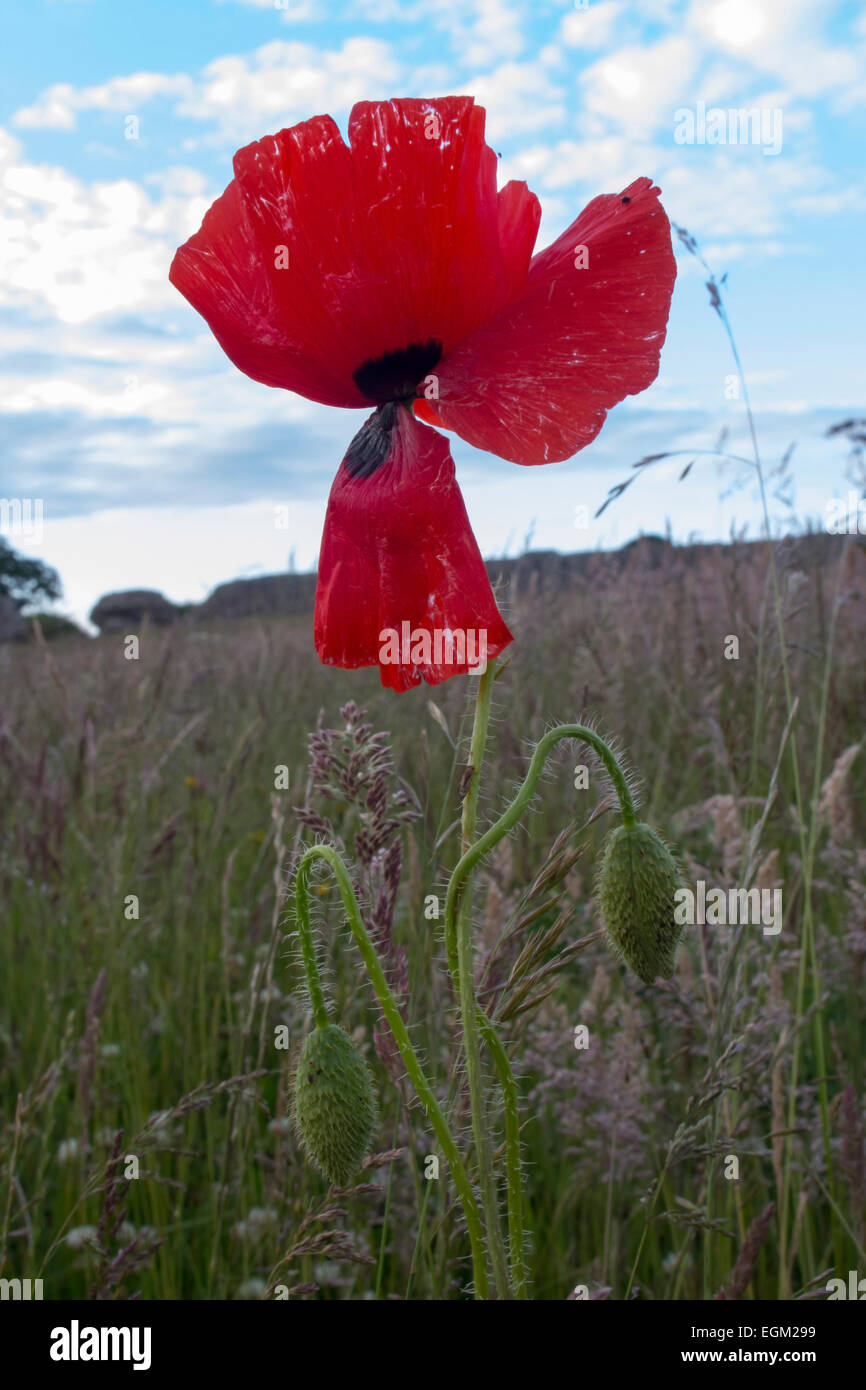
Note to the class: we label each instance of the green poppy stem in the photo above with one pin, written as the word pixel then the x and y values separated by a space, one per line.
pixel 458 942
pixel 464 982
pixel 513 813
pixel 398 1028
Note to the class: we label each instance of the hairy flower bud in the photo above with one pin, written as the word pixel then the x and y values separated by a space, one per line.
pixel 637 882
pixel 335 1108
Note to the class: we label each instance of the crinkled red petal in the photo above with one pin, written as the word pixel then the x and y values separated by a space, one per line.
pixel 398 557
pixel 320 256
pixel 535 383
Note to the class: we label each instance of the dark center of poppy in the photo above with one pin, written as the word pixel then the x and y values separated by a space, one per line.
pixel 395 375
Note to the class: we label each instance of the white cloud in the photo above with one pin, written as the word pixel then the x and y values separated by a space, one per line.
pixel 592 27
pixel 198 547
pixel 724 195
pixel 289 11
pixel 57 108
pixel 494 32
pixel 782 37
pixel 107 365
pixel 830 204
pixel 603 164
pixel 81 250
pixel 480 32
pixel 636 88
pixel 724 192
pixel 736 24
pixel 284 82
pixel 24 393
pixel 519 99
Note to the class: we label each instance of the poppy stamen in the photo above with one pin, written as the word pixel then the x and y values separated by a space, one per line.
pixel 395 375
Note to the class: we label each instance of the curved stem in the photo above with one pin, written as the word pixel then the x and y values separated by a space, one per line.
pixel 401 1036
pixel 513 813
pixel 458 944
pixel 308 955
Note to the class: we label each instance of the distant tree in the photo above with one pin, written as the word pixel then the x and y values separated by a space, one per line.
pixel 26 581
pixel 55 625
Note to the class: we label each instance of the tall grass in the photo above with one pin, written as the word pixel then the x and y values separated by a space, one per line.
pixel 153 1036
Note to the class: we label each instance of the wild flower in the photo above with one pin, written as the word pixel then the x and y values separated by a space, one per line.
pixel 390 272
pixel 257 1222
pixel 80 1237
pixel 252 1288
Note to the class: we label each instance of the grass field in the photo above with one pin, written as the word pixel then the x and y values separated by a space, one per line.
pixel 708 1141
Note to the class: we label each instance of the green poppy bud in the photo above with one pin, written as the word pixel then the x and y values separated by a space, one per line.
pixel 335 1108
pixel 637 882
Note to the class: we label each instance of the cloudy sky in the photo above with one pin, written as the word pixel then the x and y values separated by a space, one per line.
pixel 157 464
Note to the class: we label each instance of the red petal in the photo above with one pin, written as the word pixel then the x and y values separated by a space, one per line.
pixel 398 549
pixel 400 239
pixel 519 216
pixel 535 383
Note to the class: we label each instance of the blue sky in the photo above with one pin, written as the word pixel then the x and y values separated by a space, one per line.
pixel 160 465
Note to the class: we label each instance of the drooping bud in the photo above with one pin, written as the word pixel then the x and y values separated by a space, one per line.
pixel 637 883
pixel 335 1107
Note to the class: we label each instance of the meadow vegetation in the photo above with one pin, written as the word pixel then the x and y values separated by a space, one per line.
pixel 151 1000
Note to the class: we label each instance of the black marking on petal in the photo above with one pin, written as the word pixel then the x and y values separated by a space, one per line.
pixel 395 375
pixel 626 200
pixel 371 445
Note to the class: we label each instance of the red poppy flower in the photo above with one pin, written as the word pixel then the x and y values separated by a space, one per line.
pixel 390 272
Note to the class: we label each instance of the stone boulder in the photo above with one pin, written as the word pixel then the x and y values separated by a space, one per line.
pixel 128 611
pixel 264 596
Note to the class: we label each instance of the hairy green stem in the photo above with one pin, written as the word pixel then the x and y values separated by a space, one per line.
pixel 398 1028
pixel 513 813
pixel 308 953
pixel 459 943
pixel 516 1232
pixel 464 980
